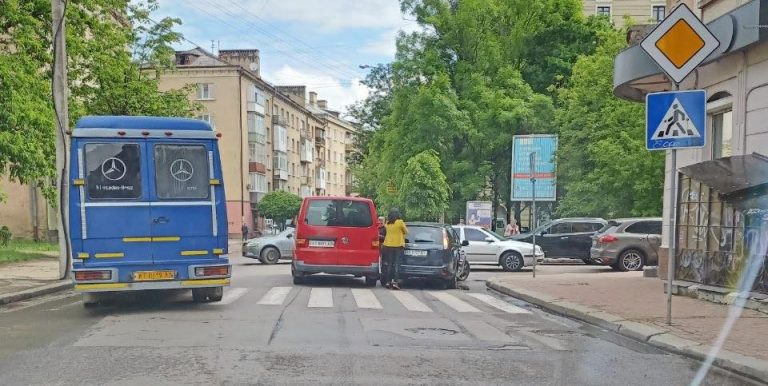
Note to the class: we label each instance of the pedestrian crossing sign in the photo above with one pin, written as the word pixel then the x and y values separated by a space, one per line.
pixel 675 120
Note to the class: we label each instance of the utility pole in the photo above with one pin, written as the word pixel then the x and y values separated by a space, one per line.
pixel 533 207
pixel 62 123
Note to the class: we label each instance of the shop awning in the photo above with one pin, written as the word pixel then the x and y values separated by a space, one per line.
pixel 731 175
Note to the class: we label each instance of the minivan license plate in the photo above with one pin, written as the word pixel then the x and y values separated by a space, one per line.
pixel 321 243
pixel 154 275
pixel 410 252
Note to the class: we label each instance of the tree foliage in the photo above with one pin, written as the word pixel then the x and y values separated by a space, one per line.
pixel 479 73
pixel 602 144
pixel 279 206
pixel 424 191
pixel 108 41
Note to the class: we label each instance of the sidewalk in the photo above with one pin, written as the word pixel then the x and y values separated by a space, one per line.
pixel 27 279
pixel 635 306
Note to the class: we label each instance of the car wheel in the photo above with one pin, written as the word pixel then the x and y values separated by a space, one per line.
pixel 588 261
pixel 269 255
pixel 512 262
pixel 370 281
pixel 464 271
pixel 199 295
pixel 298 278
pixel 215 294
pixel 630 260
pixel 452 283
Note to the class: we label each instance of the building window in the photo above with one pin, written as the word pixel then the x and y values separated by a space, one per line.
pixel 208 118
pixel 205 91
pixel 257 153
pixel 659 12
pixel 274 109
pixel 604 10
pixel 722 134
pixel 256 128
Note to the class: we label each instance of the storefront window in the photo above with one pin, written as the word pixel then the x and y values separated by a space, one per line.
pixel 722 133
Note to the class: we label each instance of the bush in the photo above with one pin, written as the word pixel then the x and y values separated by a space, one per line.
pixel 5 236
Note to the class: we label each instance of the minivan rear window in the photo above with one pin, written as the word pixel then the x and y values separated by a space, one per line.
pixel 339 213
pixel 113 171
pixel 421 234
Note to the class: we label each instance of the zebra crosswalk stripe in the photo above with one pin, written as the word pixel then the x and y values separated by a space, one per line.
pixel 320 298
pixel 454 302
pixel 410 302
pixel 498 303
pixel 275 296
pixel 365 298
pixel 232 294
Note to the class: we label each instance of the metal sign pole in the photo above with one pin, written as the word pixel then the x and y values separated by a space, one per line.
pixel 533 207
pixel 672 250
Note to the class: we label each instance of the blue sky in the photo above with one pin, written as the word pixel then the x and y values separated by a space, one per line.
pixel 317 43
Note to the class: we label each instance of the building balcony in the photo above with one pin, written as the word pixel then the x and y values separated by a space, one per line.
pixel 255 107
pixel 304 134
pixel 320 162
pixel 305 180
pixel 280 174
pixel 257 167
pixel 349 147
pixel 320 138
pixel 257 137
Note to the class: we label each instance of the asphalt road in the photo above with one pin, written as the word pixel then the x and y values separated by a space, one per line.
pixel 332 331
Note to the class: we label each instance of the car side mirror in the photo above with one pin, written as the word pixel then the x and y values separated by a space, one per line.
pixel 543 233
pixel 464 243
pixel 290 235
pixel 489 239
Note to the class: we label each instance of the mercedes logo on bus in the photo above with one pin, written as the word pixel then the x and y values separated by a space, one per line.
pixel 182 170
pixel 113 169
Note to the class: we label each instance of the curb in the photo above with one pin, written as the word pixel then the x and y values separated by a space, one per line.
pixel 737 363
pixel 35 292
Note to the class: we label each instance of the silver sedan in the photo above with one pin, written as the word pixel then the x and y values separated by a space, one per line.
pixel 270 249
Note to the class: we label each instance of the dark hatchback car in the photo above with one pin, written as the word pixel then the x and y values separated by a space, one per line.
pixel 432 251
pixel 569 238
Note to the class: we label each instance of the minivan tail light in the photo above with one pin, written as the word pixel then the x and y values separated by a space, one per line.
pixel 301 242
pixel 445 242
pixel 607 239
pixel 93 275
pixel 220 270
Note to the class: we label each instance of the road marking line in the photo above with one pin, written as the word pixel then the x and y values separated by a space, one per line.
pixel 233 294
pixel 320 297
pixel 365 298
pixel 453 302
pixel 498 303
pixel 410 302
pixel 275 296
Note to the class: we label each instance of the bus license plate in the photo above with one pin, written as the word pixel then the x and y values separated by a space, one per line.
pixel 154 275
pixel 321 243
pixel 410 252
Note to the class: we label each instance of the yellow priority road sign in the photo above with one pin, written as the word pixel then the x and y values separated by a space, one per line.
pixel 680 43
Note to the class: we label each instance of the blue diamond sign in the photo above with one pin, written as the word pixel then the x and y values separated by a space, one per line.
pixel 675 120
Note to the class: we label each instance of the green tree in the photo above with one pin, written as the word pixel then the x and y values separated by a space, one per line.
pixel 108 42
pixel 602 143
pixel 279 206
pixel 424 191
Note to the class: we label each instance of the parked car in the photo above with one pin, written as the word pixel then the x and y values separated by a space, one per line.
pixel 566 237
pixel 336 235
pixel 628 244
pixel 486 247
pixel 270 249
pixel 432 251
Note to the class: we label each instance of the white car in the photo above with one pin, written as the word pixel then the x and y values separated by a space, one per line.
pixel 486 247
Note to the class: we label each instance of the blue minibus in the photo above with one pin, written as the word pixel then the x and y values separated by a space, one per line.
pixel 146 207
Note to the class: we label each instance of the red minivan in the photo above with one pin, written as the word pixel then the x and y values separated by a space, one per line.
pixel 337 235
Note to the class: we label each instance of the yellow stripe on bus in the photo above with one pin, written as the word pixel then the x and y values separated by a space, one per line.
pixel 150 239
pixel 100 286
pixel 194 253
pixel 83 255
pixel 166 238
pixel 218 251
pixel 108 255
pixel 206 282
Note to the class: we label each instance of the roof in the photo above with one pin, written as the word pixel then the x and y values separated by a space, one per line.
pixel 142 123
pixel 731 175
pixel 347 198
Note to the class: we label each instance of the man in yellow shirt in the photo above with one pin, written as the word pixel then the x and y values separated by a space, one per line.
pixel 392 250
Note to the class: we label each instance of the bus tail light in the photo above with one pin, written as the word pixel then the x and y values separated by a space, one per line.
pixel 219 270
pixel 93 275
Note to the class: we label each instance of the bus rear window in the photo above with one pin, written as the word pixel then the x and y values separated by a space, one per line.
pixel 181 172
pixel 113 171
pixel 341 213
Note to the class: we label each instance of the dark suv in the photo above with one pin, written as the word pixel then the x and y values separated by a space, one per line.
pixel 566 237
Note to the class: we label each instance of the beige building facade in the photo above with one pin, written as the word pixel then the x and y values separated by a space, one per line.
pixel 273 137
pixel 720 189
pixel 25 212
pixel 640 11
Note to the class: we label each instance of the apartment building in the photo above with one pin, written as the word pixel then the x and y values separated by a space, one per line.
pixel 272 137
pixel 640 11
pixel 720 207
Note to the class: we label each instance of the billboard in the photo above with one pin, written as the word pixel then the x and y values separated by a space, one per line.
pixel 545 147
pixel 480 213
